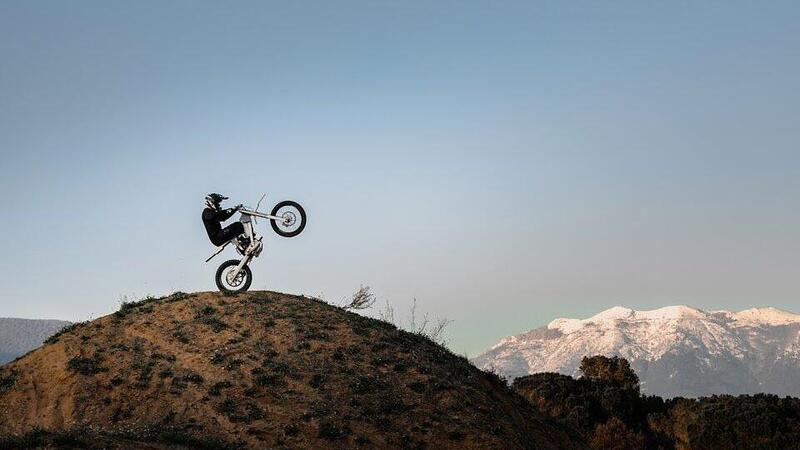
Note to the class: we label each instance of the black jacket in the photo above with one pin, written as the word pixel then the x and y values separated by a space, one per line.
pixel 212 219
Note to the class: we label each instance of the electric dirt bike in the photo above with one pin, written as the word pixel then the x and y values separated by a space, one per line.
pixel 287 218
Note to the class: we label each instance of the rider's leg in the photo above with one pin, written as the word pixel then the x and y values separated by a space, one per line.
pixel 228 233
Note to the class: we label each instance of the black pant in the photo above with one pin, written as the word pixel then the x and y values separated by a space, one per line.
pixel 226 234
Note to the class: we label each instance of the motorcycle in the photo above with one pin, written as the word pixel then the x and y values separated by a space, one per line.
pixel 288 219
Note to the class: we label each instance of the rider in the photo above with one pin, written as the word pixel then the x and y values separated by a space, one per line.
pixel 213 216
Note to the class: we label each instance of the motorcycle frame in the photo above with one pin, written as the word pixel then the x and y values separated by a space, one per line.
pixel 260 214
pixel 251 234
pixel 247 222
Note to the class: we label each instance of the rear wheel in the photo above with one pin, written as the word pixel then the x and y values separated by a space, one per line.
pixel 292 218
pixel 228 283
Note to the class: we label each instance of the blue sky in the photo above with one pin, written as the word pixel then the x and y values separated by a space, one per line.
pixel 503 164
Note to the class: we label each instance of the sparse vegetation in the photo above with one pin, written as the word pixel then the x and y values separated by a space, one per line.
pixel 66 329
pixel 193 377
pixel 181 382
pixel 317 380
pixel 332 377
pixel 271 373
pixel 86 366
pixel 363 298
pixel 238 411
pixel 425 326
pixel 331 430
pixel 7 380
pixel 129 306
pixel 181 335
pixel 94 439
pixel 144 369
pixel 146 305
pixel 178 296
pixel 208 315
pixel 216 389
pixel 177 386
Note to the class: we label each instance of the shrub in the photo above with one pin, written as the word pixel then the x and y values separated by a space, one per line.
pixel 331 430
pixel 181 336
pixel 238 412
pixel 208 316
pixel 615 435
pixel 126 307
pixel 216 389
pixel 193 377
pixel 145 370
pixel 86 366
pixel 65 329
pixel 7 381
pixel 362 299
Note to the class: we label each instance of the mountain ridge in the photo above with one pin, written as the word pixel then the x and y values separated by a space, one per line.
pixel 19 336
pixel 678 350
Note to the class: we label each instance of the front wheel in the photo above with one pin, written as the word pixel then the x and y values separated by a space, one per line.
pixel 293 218
pixel 226 282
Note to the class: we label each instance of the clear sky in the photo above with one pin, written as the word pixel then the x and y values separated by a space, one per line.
pixel 505 163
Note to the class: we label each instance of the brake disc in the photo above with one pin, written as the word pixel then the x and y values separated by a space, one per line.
pixel 234 282
pixel 289 218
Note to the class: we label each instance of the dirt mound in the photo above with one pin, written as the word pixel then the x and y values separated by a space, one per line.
pixel 258 370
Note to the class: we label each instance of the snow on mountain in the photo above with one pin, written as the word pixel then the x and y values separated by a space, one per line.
pixel 676 350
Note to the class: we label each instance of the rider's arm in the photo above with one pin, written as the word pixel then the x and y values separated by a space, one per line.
pixel 226 214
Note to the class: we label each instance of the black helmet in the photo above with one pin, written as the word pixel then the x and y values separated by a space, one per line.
pixel 213 200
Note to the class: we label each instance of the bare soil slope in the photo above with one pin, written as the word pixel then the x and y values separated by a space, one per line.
pixel 260 370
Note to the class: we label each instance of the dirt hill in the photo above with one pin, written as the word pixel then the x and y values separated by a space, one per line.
pixel 260 370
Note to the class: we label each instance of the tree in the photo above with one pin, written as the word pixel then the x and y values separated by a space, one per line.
pixel 615 370
pixel 615 435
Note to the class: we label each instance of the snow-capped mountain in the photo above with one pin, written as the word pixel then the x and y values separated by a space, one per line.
pixel 676 350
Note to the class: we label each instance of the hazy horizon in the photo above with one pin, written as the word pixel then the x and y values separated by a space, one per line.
pixel 503 164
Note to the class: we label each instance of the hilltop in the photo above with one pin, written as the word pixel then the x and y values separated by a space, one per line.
pixel 261 369
pixel 676 350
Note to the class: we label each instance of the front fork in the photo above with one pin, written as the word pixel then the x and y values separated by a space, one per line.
pixel 232 275
pixel 251 236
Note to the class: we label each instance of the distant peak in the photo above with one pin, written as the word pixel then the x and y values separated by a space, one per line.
pixel 622 313
pixel 667 312
pixel 617 312
pixel 768 315
pixel 671 312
